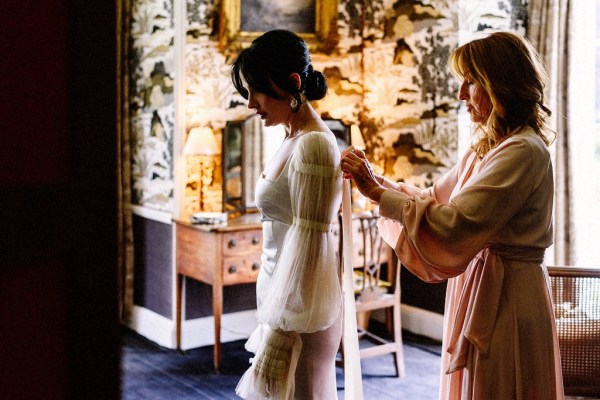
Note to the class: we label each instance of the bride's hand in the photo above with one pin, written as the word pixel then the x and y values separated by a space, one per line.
pixel 356 166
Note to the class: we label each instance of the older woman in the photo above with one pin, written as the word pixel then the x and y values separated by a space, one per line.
pixel 484 226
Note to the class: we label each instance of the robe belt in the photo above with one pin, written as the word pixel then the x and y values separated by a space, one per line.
pixel 478 305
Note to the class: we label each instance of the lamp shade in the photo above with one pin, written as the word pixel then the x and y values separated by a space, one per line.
pixel 201 141
pixel 356 138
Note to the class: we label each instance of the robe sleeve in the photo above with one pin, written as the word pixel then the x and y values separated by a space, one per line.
pixel 305 293
pixel 437 238
pixel 390 229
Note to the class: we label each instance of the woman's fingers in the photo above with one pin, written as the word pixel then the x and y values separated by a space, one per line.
pixel 355 166
pixel 353 151
pixel 348 150
pixel 355 160
pixel 346 160
pixel 359 153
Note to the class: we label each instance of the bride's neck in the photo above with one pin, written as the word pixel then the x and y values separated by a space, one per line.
pixel 302 121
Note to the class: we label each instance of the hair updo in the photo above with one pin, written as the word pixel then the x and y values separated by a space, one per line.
pixel 271 59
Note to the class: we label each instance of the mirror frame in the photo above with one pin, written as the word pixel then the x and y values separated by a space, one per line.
pixel 341 132
pixel 248 143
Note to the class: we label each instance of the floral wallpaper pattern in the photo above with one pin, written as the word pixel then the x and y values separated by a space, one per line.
pixel 152 103
pixel 410 105
pixel 387 73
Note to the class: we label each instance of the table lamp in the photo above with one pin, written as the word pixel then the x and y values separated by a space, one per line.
pixel 201 142
pixel 356 138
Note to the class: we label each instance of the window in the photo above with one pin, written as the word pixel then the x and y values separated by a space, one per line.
pixel 584 115
pixel 593 259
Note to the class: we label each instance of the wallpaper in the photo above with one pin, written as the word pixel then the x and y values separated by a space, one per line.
pixel 408 109
pixel 386 67
pixel 152 103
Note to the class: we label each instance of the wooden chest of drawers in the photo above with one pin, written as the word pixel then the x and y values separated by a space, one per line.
pixel 231 257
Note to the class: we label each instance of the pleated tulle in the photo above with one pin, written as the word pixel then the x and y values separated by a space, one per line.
pixel 271 375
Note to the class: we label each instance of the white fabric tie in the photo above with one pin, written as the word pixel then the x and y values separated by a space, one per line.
pixel 352 371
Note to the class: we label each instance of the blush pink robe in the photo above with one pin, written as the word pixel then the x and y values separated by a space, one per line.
pixel 484 226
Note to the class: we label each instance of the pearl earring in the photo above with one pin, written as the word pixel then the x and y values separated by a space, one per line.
pixel 293 103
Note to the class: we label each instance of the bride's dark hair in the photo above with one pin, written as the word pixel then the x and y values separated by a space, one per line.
pixel 271 59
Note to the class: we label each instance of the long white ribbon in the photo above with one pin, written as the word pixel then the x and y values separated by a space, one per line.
pixel 352 371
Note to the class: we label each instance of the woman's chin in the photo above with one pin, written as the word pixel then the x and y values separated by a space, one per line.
pixel 476 119
pixel 269 123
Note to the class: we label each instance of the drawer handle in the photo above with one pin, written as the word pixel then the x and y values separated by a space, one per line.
pixel 255 240
pixel 232 243
pixel 255 266
pixel 232 269
pixel 361 252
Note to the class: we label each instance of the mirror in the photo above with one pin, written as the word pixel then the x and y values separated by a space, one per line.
pixel 242 164
pixel 341 132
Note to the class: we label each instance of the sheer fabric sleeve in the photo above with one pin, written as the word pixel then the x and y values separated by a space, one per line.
pixel 390 229
pixel 305 293
pixel 437 239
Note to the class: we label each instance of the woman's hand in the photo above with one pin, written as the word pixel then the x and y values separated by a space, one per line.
pixel 356 166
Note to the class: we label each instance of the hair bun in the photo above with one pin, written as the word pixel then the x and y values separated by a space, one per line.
pixel 315 87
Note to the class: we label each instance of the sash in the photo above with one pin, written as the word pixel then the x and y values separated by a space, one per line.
pixel 479 301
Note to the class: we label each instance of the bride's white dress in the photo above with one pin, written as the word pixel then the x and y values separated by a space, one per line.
pixel 299 299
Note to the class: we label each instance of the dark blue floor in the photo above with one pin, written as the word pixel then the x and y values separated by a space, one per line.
pixel 151 372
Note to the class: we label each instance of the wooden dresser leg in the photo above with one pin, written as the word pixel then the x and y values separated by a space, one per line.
pixel 217 312
pixel 178 317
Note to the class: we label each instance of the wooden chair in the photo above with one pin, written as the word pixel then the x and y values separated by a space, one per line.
pixel 372 292
pixel 576 298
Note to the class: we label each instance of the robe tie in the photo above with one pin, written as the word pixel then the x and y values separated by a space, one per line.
pixel 478 305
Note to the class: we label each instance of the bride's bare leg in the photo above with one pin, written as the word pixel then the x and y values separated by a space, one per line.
pixel 315 373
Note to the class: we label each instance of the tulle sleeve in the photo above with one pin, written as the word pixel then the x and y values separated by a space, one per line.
pixel 305 293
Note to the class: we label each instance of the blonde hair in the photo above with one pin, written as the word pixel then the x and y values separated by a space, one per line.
pixel 509 69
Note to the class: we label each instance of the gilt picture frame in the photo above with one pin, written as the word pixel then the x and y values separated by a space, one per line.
pixel 242 21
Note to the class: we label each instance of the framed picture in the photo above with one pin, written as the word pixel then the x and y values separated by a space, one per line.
pixel 242 21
